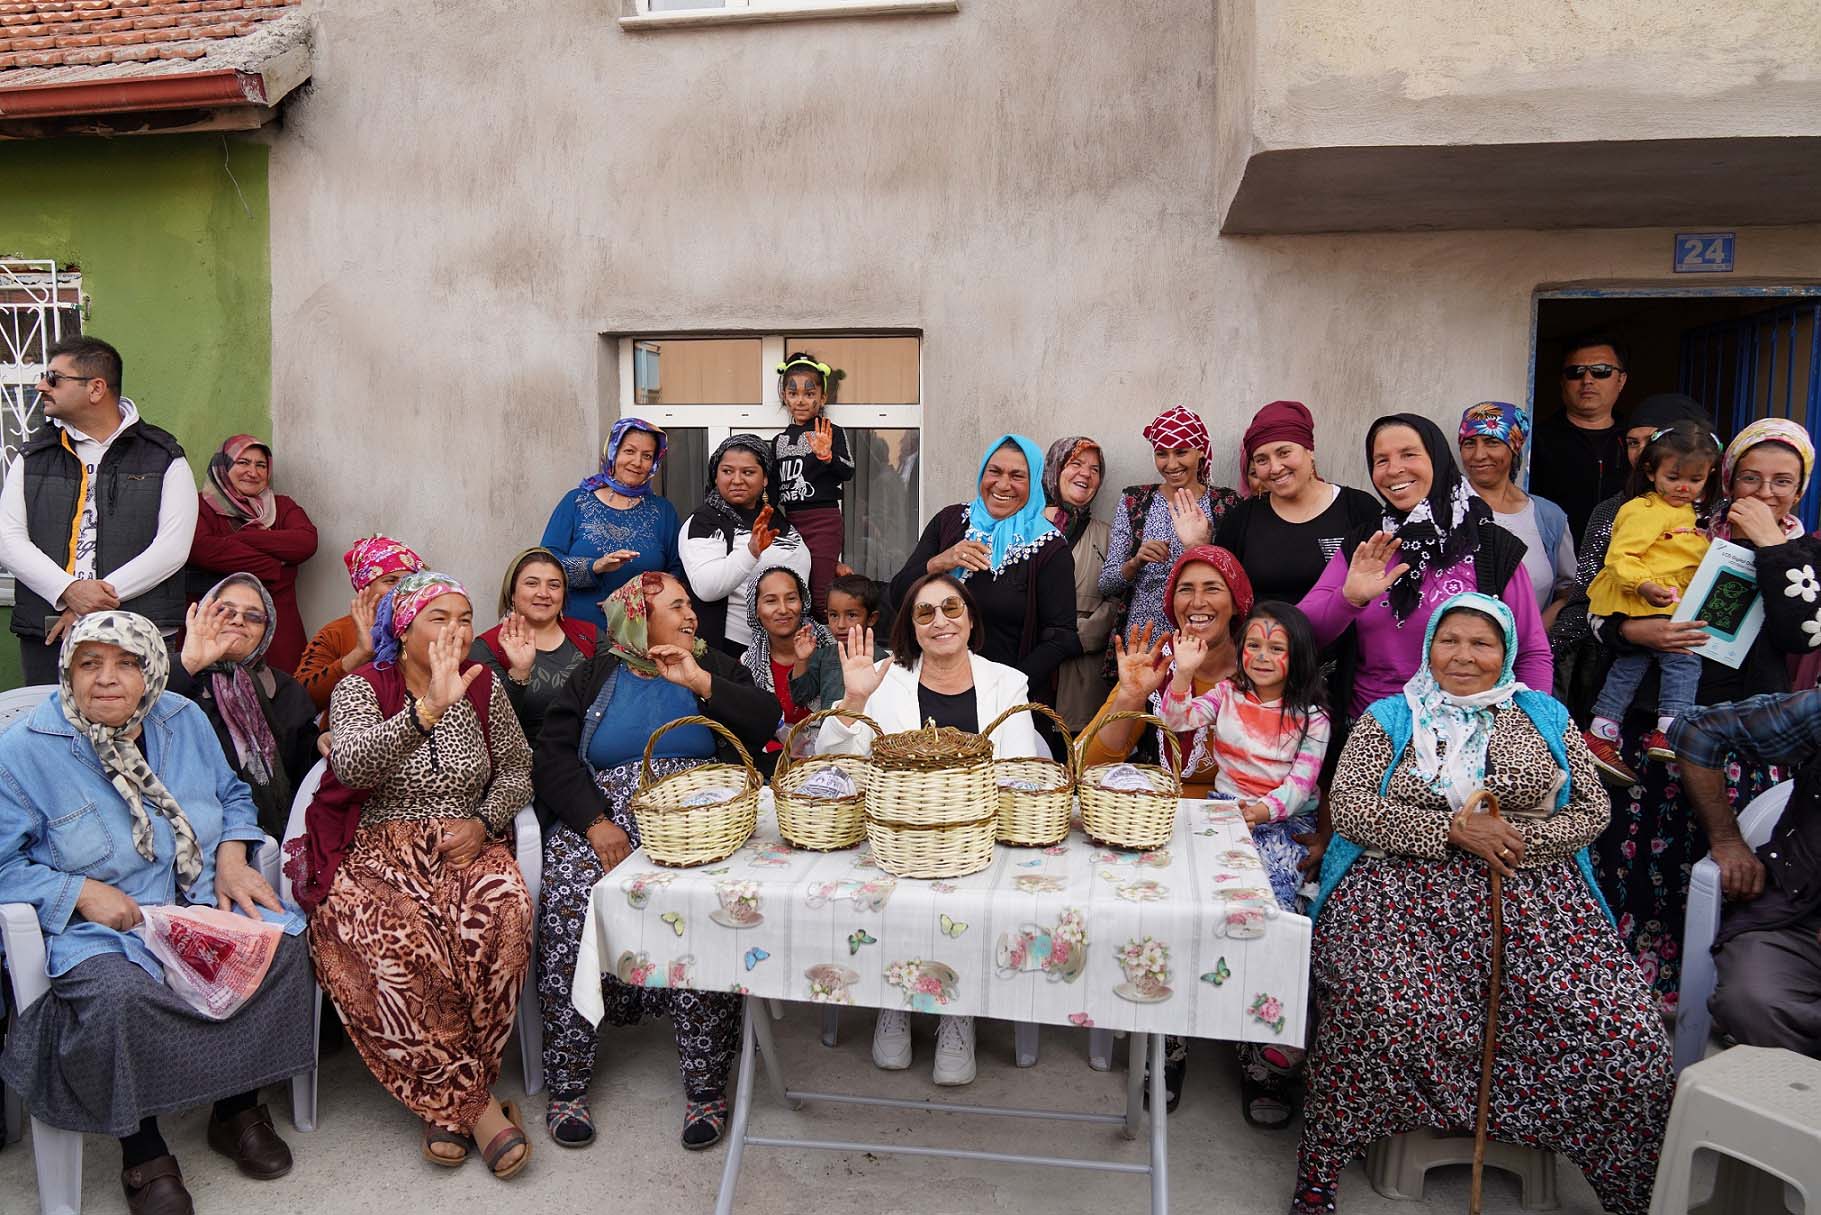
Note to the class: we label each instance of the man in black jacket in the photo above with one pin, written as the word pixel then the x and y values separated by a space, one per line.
pixel 98 510
pixel 1577 457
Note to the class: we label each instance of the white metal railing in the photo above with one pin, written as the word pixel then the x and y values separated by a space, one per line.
pixel 40 304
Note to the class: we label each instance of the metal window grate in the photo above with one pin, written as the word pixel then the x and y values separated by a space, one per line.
pixel 40 304
pixel 1767 365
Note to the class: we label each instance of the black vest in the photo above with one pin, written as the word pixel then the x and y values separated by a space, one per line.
pixel 127 489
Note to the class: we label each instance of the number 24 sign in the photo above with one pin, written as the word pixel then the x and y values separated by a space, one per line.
pixel 1704 252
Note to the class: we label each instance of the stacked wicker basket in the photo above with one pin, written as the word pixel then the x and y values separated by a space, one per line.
pixel 932 803
pixel 678 834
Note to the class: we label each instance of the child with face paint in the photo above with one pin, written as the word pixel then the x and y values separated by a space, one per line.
pixel 1267 727
pixel 814 462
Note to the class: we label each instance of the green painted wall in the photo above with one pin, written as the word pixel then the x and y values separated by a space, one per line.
pixel 171 233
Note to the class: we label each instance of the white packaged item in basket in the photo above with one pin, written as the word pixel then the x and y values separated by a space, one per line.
pixel 828 782
pixel 1128 778
pixel 711 797
pixel 214 959
pixel 1020 785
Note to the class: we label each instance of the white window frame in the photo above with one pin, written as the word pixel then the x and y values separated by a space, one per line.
pixel 723 420
pixel 49 291
pixel 638 14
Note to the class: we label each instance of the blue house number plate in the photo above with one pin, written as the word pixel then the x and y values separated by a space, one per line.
pixel 1704 252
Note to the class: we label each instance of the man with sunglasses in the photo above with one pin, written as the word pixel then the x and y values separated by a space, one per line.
pixel 1578 455
pixel 98 510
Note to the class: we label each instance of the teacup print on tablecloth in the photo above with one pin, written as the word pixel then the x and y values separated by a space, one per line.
pixel 1146 964
pixel 869 895
pixel 739 904
pixel 639 887
pixel 863 859
pixel 1241 858
pixel 773 854
pixel 636 970
pixel 682 971
pixel 1159 859
pixel 1060 953
pixel 829 983
pixel 1142 890
pixel 1243 912
pixel 1039 883
pixel 927 986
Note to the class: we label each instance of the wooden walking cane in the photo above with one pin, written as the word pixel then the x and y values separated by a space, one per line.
pixel 1492 1012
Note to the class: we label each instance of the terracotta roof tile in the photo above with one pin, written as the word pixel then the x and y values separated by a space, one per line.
pixel 91 34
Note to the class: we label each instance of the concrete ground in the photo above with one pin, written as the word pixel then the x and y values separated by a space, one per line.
pixel 363 1159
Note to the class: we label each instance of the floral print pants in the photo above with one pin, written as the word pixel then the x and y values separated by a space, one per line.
pixel 707 1023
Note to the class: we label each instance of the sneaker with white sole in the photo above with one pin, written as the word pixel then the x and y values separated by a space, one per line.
pixel 892 1041
pixel 954 1051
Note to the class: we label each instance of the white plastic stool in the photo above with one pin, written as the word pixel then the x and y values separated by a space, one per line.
pixel 1759 1111
pixel 1395 1166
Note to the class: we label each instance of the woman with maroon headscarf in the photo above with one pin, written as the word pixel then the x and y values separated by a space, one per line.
pixel 1155 523
pixel 1285 535
pixel 243 527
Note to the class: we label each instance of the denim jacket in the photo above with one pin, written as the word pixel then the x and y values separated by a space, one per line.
pixel 62 821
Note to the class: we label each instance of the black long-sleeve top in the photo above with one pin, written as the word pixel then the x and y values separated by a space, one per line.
pixel 1028 608
pixel 564 785
pixel 291 716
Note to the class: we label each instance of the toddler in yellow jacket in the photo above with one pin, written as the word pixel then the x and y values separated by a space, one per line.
pixel 1652 558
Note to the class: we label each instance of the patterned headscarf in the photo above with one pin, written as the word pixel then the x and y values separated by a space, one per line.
pixel 610 450
pixel 628 612
pixel 1764 430
pixel 1021 533
pixel 517 565
pixel 220 493
pixel 402 605
pixel 1441 529
pixel 1179 427
pixel 1075 519
pixel 231 681
pixel 374 557
pixel 124 763
pixel 1450 732
pixel 1496 420
pixel 1198 755
pixel 758 652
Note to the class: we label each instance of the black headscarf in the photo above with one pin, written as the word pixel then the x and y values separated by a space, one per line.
pixel 1666 409
pixel 1441 529
pixel 736 518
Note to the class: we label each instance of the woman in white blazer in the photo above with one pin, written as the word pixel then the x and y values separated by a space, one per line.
pixel 934 673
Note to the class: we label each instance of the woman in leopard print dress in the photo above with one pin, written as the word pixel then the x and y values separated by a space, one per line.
pixel 1402 954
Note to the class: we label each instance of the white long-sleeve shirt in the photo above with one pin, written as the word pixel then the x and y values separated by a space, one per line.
pixel 717 571
pixel 167 553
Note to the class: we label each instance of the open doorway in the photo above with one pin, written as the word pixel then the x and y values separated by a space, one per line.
pixel 1745 354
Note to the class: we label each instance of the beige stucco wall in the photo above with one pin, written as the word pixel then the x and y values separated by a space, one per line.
pixel 462 204
pixel 1451 72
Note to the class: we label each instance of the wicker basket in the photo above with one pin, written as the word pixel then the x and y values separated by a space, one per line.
pixel 821 824
pixel 1129 818
pixel 1035 818
pixel 932 805
pixel 681 836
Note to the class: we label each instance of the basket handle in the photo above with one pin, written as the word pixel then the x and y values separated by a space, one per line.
pixel 1062 727
pixel 752 771
pixel 777 773
pixel 1169 737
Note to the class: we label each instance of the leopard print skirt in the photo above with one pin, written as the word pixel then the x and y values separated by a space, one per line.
pixel 424 962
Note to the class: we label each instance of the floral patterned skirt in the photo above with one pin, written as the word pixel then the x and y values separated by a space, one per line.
pixel 1646 853
pixel 1402 965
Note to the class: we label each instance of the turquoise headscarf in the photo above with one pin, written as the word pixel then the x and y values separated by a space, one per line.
pixel 1450 732
pixel 1022 533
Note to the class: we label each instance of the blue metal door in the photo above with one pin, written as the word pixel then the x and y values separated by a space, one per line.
pixel 1767 365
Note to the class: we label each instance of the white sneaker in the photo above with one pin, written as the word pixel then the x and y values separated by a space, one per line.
pixel 892 1040
pixel 954 1051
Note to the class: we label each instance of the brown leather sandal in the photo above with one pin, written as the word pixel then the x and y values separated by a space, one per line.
pixel 436 1134
pixel 502 1143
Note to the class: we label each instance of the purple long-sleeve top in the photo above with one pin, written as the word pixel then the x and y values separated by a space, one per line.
pixel 1389 655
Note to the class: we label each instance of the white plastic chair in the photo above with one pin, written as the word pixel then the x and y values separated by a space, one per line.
pixel 20 702
pixel 57 1154
pixel 529 846
pixel 1693 1021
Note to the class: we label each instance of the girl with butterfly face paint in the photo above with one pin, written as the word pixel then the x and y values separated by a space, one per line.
pixel 814 464
pixel 1267 729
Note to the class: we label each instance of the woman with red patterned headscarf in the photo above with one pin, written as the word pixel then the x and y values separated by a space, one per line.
pixel 243 527
pixel 1155 523
pixel 345 644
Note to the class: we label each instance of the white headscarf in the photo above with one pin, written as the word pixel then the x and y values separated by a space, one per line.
pixel 1449 733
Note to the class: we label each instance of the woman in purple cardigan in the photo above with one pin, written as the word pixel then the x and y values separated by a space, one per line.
pixel 1435 540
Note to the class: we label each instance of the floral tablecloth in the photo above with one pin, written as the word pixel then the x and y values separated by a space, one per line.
pixel 1184 940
